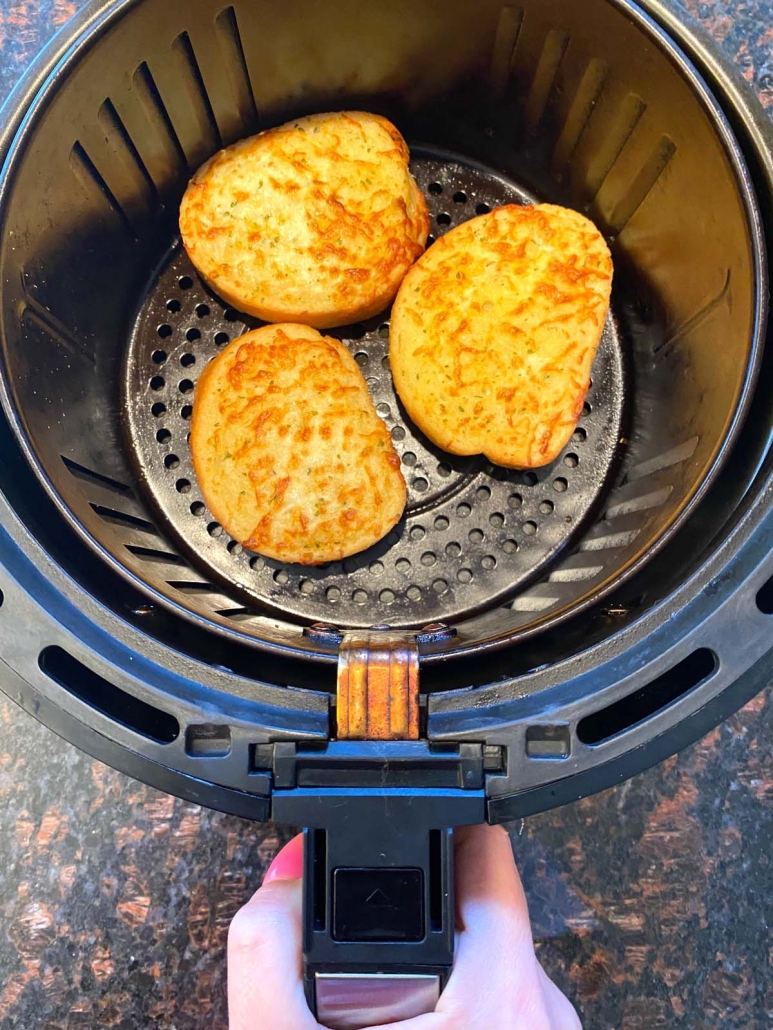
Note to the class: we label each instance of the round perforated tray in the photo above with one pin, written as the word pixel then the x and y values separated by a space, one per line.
pixel 473 534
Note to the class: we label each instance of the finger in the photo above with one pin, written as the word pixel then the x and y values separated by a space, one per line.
pixel 264 958
pixel 563 1015
pixel 486 873
pixel 432 1021
pixel 497 980
pixel 493 913
pixel 496 973
pixel 550 1009
pixel 288 863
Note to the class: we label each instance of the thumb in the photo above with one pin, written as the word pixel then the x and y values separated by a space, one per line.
pixel 265 987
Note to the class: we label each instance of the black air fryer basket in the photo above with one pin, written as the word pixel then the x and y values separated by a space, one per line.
pixel 573 624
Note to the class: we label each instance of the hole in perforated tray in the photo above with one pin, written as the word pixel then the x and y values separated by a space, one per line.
pixel 479 522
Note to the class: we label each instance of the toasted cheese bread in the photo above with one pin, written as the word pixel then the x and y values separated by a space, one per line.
pixel 495 329
pixel 316 221
pixel 289 452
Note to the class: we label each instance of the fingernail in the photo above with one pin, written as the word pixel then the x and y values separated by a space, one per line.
pixel 288 864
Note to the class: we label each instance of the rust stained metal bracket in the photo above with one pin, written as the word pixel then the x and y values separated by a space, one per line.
pixel 378 686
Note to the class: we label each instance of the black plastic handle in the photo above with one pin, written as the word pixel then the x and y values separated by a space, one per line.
pixel 378 889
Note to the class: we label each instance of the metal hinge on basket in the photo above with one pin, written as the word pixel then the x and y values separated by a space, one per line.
pixel 377 695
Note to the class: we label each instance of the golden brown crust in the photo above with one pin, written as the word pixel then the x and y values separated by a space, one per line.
pixel 316 221
pixel 289 452
pixel 494 332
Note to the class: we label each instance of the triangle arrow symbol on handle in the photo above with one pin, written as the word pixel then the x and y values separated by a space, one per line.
pixel 378 899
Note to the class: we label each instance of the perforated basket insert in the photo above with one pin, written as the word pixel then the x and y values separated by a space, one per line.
pixel 473 534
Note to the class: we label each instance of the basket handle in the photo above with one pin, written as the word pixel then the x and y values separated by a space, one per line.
pixel 378 899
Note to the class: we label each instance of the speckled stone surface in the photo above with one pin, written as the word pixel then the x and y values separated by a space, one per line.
pixel 651 903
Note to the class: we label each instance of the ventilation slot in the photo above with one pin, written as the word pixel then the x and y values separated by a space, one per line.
pixel 576 574
pixel 90 476
pixel 650 699
pixel 91 688
pixel 116 133
pixel 236 65
pixel 700 316
pixel 319 865
pixel 588 94
pixel 158 116
pixel 162 557
pixel 529 603
pixel 41 318
pixel 192 586
pixel 655 499
pixel 547 69
pixel 610 540
pixel 663 461
pixel 628 117
pixel 91 178
pixel 436 881
pixel 508 30
pixel 197 92
pixel 642 185
pixel 123 518
pixel 237 613
pixel 765 598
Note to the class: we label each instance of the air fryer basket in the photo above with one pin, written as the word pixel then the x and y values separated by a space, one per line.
pixel 105 327
pixel 531 108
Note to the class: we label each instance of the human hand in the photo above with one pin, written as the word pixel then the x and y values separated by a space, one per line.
pixel 496 982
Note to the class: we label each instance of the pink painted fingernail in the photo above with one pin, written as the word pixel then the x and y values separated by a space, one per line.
pixel 288 864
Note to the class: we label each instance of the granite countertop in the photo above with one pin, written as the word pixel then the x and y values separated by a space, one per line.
pixel 651 902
